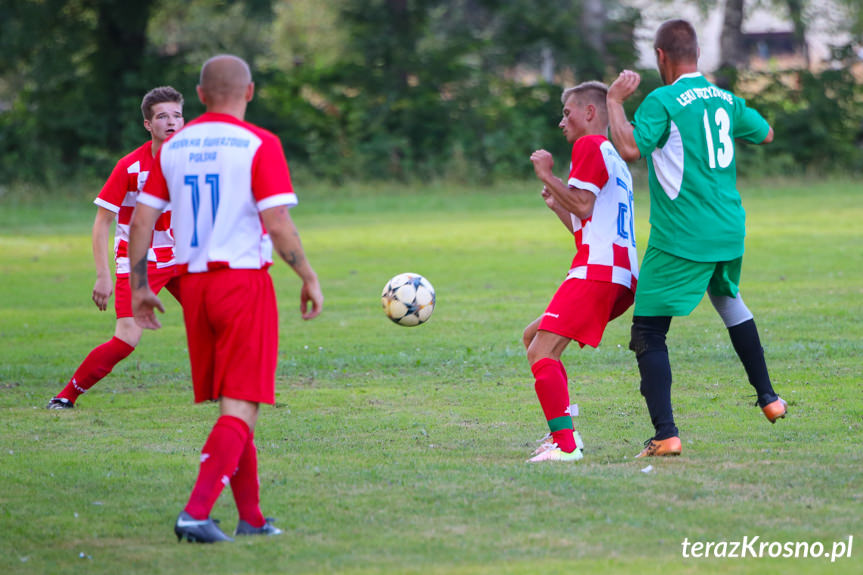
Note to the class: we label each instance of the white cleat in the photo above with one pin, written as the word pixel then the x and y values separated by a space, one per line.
pixel 554 453
pixel 547 443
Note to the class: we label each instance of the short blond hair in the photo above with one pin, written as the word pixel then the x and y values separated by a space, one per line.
pixel 593 92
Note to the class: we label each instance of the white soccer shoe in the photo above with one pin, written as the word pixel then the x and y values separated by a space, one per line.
pixel 554 453
pixel 547 443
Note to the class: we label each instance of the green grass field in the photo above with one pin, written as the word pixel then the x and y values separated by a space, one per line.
pixel 402 450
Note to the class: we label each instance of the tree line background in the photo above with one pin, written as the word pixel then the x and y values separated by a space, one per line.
pixel 404 90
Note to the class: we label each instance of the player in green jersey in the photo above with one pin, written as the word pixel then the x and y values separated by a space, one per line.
pixel 686 131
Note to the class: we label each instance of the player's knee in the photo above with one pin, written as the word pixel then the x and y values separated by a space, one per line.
pixel 534 353
pixel 529 333
pixel 648 334
pixel 732 310
pixel 527 337
pixel 637 340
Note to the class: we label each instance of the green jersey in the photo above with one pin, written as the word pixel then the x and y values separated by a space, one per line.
pixel 686 132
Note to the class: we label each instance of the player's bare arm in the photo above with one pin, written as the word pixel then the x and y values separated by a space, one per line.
pixel 621 130
pixel 104 286
pixel 286 240
pixel 562 214
pixel 144 301
pixel 578 202
pixel 769 138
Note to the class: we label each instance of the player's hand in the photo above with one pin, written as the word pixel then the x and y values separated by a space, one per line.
pixel 549 199
pixel 102 291
pixel 311 294
pixel 624 86
pixel 543 163
pixel 144 302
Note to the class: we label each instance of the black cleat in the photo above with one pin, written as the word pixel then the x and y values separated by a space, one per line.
pixel 60 403
pixel 243 528
pixel 198 530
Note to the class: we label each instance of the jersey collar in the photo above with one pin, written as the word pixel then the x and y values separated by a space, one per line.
pixel 687 76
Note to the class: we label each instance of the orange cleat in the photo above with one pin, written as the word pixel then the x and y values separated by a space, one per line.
pixel 661 448
pixel 775 409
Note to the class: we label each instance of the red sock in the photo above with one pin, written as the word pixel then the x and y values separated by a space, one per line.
pixel 219 459
pixel 95 366
pixel 246 486
pixel 553 393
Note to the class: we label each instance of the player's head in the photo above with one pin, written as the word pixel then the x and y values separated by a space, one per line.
pixel 226 80
pixel 675 44
pixel 162 108
pixel 584 110
pixel 159 95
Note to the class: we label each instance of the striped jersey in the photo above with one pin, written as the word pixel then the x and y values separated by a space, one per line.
pixel 119 195
pixel 219 173
pixel 605 242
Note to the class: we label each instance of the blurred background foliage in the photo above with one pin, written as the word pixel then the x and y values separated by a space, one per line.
pixel 359 90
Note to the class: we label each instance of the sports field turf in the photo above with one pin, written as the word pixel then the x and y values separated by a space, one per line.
pixel 401 450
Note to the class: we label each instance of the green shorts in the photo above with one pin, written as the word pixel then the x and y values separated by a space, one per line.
pixel 673 286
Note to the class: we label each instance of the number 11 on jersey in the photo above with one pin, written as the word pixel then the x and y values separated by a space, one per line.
pixel 212 180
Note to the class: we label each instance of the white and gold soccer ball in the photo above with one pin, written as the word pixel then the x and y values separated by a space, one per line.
pixel 408 299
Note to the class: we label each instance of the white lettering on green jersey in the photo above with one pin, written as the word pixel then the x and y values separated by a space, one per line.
pixel 687 133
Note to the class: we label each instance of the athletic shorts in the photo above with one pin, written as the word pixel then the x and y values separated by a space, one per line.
pixel 158 277
pixel 232 329
pixel 672 286
pixel 580 309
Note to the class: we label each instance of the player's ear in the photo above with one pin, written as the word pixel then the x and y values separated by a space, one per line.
pixel 250 91
pixel 201 96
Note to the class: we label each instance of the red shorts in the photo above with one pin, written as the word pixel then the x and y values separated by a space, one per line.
pixel 158 278
pixel 580 309
pixel 232 329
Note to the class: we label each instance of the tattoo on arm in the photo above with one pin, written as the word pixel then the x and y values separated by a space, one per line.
pixel 139 272
pixel 292 257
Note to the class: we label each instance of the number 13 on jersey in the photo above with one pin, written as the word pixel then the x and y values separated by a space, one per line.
pixel 212 181
pixel 724 152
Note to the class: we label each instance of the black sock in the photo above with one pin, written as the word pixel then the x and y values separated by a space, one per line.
pixel 655 372
pixel 744 338
pixel 648 343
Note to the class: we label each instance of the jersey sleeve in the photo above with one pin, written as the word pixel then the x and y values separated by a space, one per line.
pixel 155 193
pixel 749 125
pixel 114 191
pixel 587 171
pixel 271 179
pixel 650 124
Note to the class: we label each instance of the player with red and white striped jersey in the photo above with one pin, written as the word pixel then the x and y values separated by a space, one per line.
pixel 230 190
pixel 119 196
pixel 595 204
pixel 162 109
pixel 605 240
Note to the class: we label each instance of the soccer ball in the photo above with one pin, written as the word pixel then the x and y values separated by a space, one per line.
pixel 408 299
